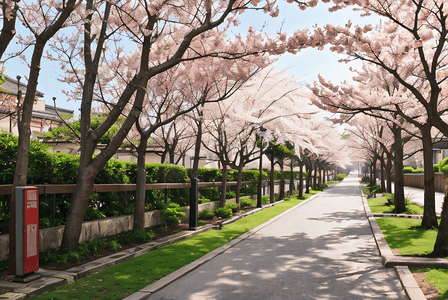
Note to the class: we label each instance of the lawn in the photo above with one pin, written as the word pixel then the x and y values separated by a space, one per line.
pixel 380 205
pixel 126 278
pixel 438 278
pixel 407 236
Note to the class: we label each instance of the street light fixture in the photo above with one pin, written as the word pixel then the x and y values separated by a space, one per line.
pixel 260 135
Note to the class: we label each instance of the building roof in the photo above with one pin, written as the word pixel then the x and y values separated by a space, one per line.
pixel 10 87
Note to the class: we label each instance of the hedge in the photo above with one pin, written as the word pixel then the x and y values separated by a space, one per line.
pixel 61 168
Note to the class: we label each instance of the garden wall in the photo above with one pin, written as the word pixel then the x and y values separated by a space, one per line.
pixel 418 180
pixel 51 238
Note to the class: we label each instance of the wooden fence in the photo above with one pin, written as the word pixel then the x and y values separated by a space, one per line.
pixel 418 180
pixel 50 189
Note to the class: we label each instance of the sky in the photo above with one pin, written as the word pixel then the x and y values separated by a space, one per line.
pixel 306 64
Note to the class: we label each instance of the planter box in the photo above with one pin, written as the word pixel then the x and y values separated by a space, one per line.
pixel 51 238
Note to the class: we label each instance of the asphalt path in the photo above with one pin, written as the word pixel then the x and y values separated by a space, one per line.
pixel 323 249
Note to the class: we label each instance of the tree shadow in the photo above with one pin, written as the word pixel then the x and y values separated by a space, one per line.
pixel 342 264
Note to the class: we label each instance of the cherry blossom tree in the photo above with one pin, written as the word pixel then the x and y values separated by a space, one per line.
pixel 411 46
pixel 9 15
pixel 379 94
pixel 43 20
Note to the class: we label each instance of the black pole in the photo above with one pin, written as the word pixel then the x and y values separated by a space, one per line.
pixel 193 222
pixel 260 178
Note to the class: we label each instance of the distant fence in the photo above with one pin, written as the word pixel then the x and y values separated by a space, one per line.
pixel 50 189
pixel 418 180
pixel 126 190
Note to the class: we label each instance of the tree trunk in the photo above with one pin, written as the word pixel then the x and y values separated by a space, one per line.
pixel 308 177
pixel 271 180
pixel 197 150
pixel 291 177
pixel 441 245
pixel 373 172
pixel 238 184
pixel 78 206
pixel 429 213
pixel 23 147
pixel 301 180
pixel 222 196
pixel 383 173
pixel 140 193
pixel 315 175
pixel 281 195
pixel 389 174
pixel 399 199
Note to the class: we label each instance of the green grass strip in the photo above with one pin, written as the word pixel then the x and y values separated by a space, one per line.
pixel 438 278
pixel 379 205
pixel 365 190
pixel 407 236
pixel 126 278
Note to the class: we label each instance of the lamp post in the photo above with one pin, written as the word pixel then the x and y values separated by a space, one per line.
pixel 260 135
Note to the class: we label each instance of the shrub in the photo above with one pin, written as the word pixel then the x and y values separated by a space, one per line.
pixel 340 177
pixel 135 237
pixel 443 165
pixel 206 214
pixel 320 187
pixel 203 200
pixel 230 195
pixel 408 170
pixel 365 180
pixel 390 199
pixel 223 212
pixel 436 168
pixel 246 202
pixel 264 199
pixel 173 213
pixel 233 206
pixel 375 189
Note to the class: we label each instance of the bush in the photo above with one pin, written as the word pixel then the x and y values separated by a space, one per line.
pixel 443 165
pixel 246 202
pixel 365 180
pixel 173 213
pixel 320 187
pixel 408 170
pixel 222 212
pixel 137 236
pixel 436 168
pixel 375 189
pixel 206 214
pixel 233 206
pixel 230 195
pixel 203 200
pixel 264 199
pixel 340 177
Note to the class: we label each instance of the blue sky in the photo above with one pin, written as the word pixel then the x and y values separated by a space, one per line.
pixel 307 64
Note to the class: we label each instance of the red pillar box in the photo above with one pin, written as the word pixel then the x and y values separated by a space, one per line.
pixel 27 233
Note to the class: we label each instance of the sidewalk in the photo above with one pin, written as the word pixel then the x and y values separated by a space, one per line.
pixel 417 196
pixel 320 249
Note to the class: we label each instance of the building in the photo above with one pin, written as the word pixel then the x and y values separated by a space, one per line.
pixel 44 116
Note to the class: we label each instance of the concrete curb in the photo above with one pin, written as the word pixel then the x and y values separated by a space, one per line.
pixel 52 279
pixel 157 285
pixel 401 264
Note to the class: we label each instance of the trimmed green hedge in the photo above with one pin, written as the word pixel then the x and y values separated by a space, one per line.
pixel 62 168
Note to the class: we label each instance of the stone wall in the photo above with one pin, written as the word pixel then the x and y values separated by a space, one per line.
pixel 51 238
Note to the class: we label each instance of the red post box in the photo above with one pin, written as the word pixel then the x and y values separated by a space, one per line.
pixel 27 233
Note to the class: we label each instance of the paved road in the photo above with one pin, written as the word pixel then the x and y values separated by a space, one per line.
pixel 417 196
pixel 323 249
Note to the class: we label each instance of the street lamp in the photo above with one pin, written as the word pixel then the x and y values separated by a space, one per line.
pixel 260 136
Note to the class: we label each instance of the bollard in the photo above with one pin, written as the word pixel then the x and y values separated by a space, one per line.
pixel 193 221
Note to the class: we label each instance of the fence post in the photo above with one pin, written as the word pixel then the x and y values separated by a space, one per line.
pixel 193 221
